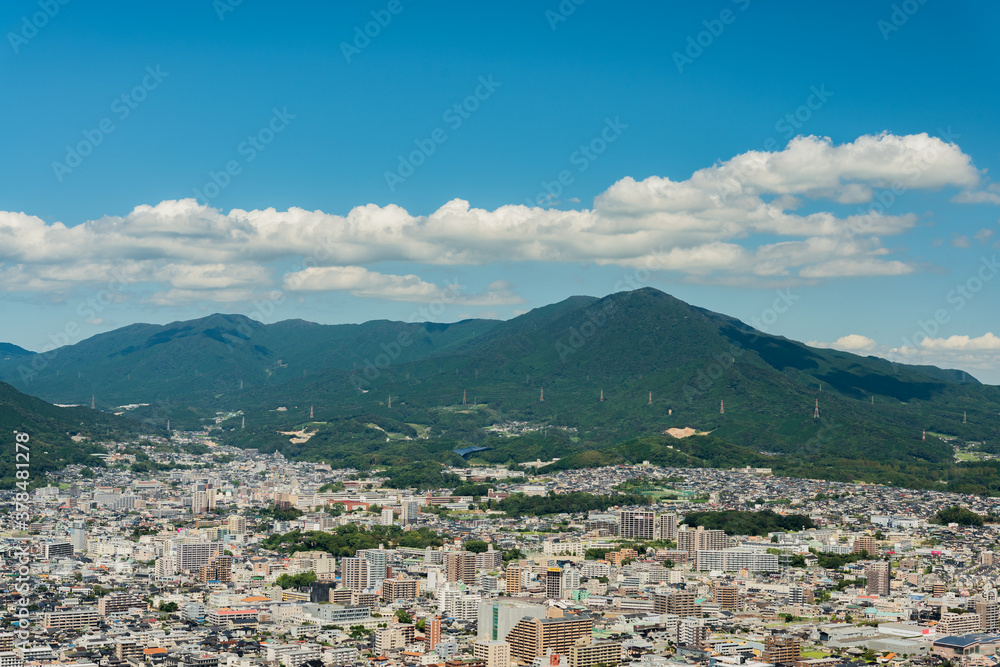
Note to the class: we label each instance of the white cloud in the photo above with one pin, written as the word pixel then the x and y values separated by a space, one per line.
pixel 987 341
pixel 361 282
pixel 979 356
pixel 850 343
pixel 990 194
pixel 960 241
pixel 735 222
pixel 983 235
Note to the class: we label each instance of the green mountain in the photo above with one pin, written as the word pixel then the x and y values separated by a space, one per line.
pixel 11 351
pixel 185 364
pixel 57 436
pixel 658 363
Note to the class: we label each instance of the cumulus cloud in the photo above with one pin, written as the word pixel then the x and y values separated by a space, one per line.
pixel 850 343
pixel 978 355
pixel 735 222
pixel 989 194
pixel 361 282
pixel 987 341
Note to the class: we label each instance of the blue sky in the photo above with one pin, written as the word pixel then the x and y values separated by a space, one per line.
pixel 167 160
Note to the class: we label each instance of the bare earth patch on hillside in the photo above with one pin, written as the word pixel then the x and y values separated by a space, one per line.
pixel 298 436
pixel 684 432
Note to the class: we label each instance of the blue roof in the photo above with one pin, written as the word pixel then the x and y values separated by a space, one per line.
pixel 469 450
pixel 961 642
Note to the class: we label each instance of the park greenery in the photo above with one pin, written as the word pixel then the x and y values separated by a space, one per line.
pixel 346 541
pixel 736 522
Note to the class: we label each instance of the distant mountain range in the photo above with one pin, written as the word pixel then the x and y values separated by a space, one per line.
pixel 656 362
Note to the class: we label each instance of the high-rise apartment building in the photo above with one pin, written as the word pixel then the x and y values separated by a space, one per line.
pixel 636 524
pixel 878 578
pixel 460 566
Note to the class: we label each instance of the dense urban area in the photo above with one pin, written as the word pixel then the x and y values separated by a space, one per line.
pixel 190 554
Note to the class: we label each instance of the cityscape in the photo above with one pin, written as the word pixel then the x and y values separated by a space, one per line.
pixel 211 562
pixel 558 333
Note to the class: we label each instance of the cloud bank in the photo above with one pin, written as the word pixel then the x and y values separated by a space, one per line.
pixel 734 222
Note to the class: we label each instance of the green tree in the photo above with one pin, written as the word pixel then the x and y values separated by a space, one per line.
pixel 476 546
pixel 296 580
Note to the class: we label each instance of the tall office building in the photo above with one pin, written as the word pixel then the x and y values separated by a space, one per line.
pixel 636 524
pixel 878 578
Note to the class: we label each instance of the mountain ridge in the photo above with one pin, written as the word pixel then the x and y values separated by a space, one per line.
pixel 585 374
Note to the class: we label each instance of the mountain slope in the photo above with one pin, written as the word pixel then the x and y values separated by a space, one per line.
pixel 11 351
pixel 193 362
pixel 657 362
pixel 51 430
pixel 632 347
